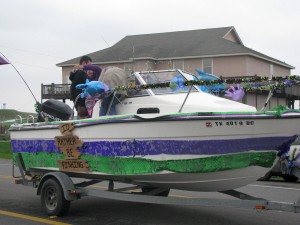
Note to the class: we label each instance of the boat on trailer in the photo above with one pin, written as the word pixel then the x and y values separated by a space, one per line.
pixel 162 137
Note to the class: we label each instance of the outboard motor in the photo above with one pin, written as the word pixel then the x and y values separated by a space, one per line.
pixel 54 110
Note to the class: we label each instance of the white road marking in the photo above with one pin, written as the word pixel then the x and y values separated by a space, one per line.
pixel 266 186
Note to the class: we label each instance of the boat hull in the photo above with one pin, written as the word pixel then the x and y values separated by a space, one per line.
pixel 190 151
pixel 201 182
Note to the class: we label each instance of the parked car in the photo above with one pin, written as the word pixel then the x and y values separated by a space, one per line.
pixel 288 165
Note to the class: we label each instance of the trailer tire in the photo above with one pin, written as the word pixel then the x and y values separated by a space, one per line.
pixel 52 198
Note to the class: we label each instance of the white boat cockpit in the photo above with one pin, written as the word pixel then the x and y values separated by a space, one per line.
pixel 166 100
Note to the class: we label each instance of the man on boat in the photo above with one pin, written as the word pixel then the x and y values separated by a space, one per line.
pixel 78 76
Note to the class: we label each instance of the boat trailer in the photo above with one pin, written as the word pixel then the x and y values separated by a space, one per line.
pixel 57 190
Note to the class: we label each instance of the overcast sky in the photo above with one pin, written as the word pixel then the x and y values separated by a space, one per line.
pixel 35 35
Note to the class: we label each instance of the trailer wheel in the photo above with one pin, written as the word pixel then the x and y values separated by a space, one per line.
pixel 289 178
pixel 146 190
pixel 52 198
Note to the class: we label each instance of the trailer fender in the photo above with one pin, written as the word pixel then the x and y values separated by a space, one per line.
pixel 65 182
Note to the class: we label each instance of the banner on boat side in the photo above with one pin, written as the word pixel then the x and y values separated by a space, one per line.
pixel 68 145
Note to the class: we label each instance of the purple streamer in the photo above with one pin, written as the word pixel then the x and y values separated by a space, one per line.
pixel 156 147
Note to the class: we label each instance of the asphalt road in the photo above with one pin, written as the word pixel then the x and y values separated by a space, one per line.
pixel 20 205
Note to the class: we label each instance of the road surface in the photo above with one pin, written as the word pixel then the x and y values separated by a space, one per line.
pixel 20 205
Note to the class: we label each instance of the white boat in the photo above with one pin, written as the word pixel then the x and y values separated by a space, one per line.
pixel 173 139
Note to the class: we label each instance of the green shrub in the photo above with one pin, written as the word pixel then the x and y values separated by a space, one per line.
pixel 4 137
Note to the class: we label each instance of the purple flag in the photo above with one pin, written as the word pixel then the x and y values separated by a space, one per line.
pixel 3 61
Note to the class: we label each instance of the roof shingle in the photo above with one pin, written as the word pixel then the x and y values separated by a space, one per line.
pixel 179 44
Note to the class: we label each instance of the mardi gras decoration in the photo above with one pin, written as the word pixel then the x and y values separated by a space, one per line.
pixel 215 89
pixel 249 84
pixel 93 91
pixel 235 94
pixel 177 83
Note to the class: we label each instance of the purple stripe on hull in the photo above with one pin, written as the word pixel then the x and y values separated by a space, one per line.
pixel 156 147
pixel 32 146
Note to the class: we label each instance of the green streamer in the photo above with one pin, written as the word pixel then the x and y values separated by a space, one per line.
pixel 133 166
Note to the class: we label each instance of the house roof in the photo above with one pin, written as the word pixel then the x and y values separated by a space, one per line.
pixel 179 44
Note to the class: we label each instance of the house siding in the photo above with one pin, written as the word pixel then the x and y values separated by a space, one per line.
pixel 144 65
pixel 281 71
pixel 229 66
pixel 262 68
pixel 257 67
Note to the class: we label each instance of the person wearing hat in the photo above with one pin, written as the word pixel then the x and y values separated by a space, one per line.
pixel 92 71
pixel 92 74
pixel 112 76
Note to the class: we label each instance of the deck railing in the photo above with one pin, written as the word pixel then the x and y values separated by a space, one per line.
pixel 56 91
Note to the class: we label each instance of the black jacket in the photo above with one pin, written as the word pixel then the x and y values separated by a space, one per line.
pixel 78 77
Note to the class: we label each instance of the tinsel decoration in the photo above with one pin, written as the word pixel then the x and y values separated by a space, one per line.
pixel 255 83
pixel 37 107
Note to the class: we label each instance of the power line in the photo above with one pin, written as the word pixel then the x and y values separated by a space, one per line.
pixel 105 41
pixel 32 52
pixel 47 68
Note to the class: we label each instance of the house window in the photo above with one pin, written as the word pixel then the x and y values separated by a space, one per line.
pixel 178 64
pixel 129 68
pixel 207 65
pixel 271 70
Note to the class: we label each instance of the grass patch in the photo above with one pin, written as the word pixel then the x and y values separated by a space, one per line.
pixel 4 137
pixel 5 150
pixel 8 114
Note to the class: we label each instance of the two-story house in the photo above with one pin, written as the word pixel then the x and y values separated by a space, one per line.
pixel 219 51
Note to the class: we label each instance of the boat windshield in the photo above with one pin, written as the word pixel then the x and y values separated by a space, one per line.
pixel 166 77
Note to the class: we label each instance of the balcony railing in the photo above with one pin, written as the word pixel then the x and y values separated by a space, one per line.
pixel 56 91
pixel 293 91
pixel 62 91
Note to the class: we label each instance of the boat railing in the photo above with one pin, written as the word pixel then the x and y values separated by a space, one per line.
pixel 30 119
